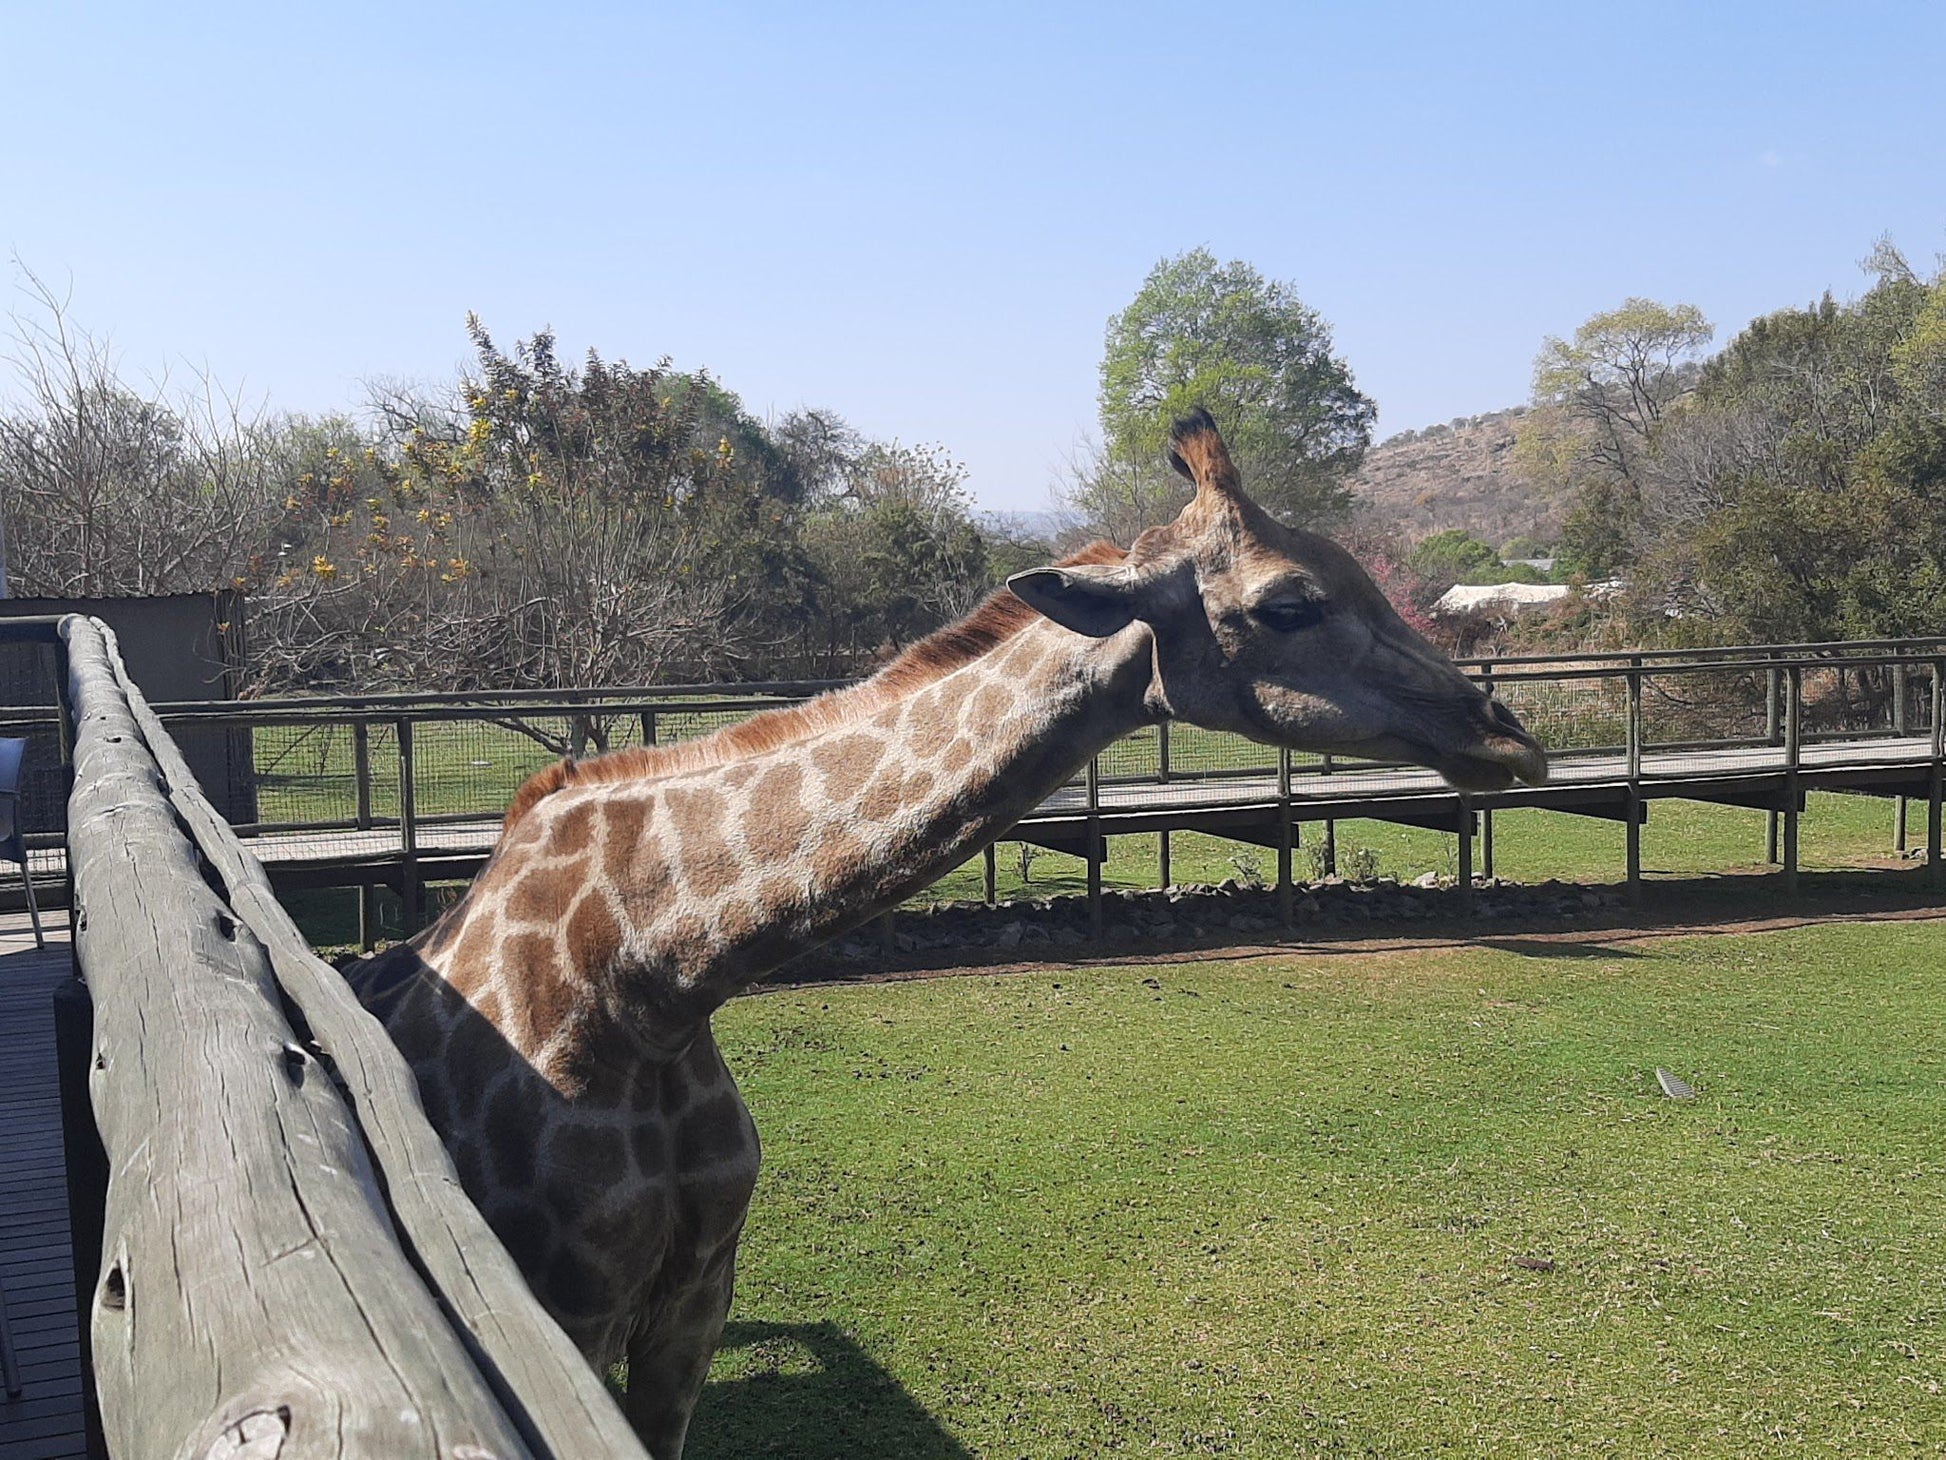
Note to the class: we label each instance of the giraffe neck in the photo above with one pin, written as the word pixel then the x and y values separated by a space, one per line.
pixel 650 900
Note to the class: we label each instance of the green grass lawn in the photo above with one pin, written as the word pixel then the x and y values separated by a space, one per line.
pixel 1682 838
pixel 1301 1205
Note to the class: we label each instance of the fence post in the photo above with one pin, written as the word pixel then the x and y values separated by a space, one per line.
pixel 1900 690
pixel 1934 866
pixel 361 762
pixel 648 727
pixel 1634 801
pixel 1772 690
pixel 1465 852
pixel 1286 894
pixel 1165 873
pixel 992 861
pixel 1486 813
pixel 1094 845
pixel 1793 741
pixel 410 892
pixel 1330 833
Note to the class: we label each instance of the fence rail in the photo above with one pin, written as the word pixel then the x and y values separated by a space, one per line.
pixel 287 1264
pixel 400 789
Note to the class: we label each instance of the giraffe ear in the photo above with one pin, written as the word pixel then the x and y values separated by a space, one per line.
pixel 1093 599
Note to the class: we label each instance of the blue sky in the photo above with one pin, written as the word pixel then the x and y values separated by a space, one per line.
pixel 922 216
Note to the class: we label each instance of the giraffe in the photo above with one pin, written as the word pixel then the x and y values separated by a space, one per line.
pixel 558 1016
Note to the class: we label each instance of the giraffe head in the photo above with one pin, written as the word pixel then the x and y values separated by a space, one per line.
pixel 1279 635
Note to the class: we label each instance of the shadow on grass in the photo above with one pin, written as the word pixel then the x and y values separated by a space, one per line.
pixel 1565 948
pixel 806 1391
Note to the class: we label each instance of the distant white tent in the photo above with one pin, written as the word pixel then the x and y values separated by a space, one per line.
pixel 1498 597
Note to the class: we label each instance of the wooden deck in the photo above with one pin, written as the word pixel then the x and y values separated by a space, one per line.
pixel 1244 805
pixel 36 1269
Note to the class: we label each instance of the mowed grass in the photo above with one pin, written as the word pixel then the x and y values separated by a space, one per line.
pixel 1681 838
pixel 1350 1203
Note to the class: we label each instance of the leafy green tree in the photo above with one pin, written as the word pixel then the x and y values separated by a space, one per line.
pixel 1801 493
pixel 1449 557
pixel 1601 401
pixel 1221 335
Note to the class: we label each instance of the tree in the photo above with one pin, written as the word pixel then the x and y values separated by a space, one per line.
pixel 1200 333
pixel 1451 556
pixel 108 490
pixel 1601 401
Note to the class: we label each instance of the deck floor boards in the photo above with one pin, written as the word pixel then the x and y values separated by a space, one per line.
pixel 36 1270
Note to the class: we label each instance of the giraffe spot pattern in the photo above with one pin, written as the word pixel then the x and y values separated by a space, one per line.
pixel 845 764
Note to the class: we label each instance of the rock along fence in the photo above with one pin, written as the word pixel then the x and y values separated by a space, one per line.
pixel 288 1265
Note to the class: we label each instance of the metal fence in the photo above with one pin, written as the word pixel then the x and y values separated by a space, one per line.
pixel 399 788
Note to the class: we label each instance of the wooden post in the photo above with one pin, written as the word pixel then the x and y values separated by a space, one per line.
pixel 1935 866
pixel 648 727
pixel 1772 693
pixel 1165 872
pixel 991 860
pixel 1793 741
pixel 361 763
pixel 1286 893
pixel 1900 693
pixel 1486 813
pixel 1094 845
pixel 1633 836
pixel 1330 833
pixel 410 892
pixel 87 1176
pixel 1466 852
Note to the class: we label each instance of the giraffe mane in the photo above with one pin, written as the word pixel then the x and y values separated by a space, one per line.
pixel 997 619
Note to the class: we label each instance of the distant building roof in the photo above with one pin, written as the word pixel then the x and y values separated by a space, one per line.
pixel 1498 597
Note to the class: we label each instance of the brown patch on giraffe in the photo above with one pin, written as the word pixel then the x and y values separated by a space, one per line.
pixel 777 819
pixel 575 1286
pixel 918 786
pixel 594 935
pixel 542 894
pixel 523 1229
pixel 738 775
pixel 836 858
pixel 512 1125
pixel 476 1056
pixel 573 830
pixel 989 703
pixel 684 936
pixel 553 995
pixel 994 622
pixel 627 818
pixel 716 1127
pixel 845 764
pixel 696 815
pixel 885 797
pixel 930 735
pixel 648 1143
pixel 956 754
pixel 737 921
pixel 600 1152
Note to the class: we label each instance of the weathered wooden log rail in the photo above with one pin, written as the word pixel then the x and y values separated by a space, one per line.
pixel 288 1265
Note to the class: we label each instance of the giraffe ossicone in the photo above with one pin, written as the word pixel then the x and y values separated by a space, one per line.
pixel 558 1016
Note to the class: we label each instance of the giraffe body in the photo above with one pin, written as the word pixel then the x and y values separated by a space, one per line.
pixel 557 1017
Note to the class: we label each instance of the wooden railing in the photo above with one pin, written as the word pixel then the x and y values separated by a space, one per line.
pixel 286 1262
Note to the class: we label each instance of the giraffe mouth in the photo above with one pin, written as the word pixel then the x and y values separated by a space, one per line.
pixel 1493 765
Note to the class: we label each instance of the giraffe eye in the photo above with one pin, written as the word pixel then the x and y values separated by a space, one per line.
pixel 1288 615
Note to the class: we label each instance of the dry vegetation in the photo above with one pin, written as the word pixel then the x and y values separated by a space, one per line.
pixel 1458 475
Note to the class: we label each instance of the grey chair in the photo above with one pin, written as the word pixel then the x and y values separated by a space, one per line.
pixel 12 848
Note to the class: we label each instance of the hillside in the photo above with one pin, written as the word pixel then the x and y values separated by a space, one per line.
pixel 1456 475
